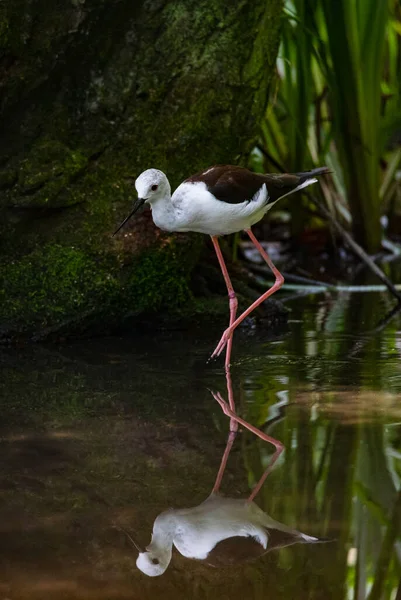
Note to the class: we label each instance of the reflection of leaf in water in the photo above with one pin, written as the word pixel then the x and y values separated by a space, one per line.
pixel 335 319
pixel 337 474
pixel 385 576
pixel 364 495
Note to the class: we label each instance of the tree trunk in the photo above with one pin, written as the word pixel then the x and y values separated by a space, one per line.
pixel 92 92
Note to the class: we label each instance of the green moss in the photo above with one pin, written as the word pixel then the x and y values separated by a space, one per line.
pixel 46 172
pixel 57 283
pixel 157 279
pixel 4 31
pixel 8 178
pixel 52 284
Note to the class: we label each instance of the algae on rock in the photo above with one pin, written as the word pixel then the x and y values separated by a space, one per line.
pixel 92 94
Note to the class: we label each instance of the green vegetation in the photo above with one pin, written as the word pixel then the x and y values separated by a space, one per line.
pixel 338 103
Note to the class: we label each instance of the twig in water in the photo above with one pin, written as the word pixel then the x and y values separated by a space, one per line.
pixel 287 276
pixel 356 248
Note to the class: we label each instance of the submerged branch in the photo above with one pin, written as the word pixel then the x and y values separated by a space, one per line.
pixel 357 249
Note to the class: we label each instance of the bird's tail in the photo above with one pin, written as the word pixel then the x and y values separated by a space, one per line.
pixel 305 179
pixel 301 186
pixel 289 183
pixel 304 176
pixel 309 539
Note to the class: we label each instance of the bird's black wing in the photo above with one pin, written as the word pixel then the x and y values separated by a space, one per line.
pixel 235 550
pixel 233 185
pixel 240 549
pixel 229 183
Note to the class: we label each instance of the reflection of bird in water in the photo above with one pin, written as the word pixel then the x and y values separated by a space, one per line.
pixel 220 531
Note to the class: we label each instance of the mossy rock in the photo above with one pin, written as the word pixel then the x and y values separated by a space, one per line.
pixel 62 286
pixel 44 177
pixel 92 94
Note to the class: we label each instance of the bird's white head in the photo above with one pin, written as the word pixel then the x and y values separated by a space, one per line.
pixel 154 562
pixel 152 185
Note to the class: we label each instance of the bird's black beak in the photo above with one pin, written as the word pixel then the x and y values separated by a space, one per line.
pixel 133 542
pixel 139 202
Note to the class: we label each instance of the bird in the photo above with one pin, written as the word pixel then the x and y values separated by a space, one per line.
pixel 221 531
pixel 218 201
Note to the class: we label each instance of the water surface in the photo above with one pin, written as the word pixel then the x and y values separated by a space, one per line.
pixel 114 431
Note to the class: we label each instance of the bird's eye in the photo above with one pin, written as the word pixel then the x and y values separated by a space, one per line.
pixel 154 188
pixel 155 561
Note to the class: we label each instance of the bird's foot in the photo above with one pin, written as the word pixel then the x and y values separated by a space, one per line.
pixel 222 343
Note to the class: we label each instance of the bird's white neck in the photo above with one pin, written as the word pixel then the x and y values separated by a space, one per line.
pixel 163 535
pixel 163 212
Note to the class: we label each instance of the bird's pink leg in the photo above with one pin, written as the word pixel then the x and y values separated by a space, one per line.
pixel 267 438
pixel 230 392
pixel 231 435
pixel 227 335
pixel 231 295
pixel 223 464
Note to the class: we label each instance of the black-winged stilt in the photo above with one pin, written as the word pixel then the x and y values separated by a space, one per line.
pixel 221 200
pixel 220 531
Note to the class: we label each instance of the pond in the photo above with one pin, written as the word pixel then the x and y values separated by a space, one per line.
pixel 99 437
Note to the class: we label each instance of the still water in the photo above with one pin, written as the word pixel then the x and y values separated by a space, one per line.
pixel 108 433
